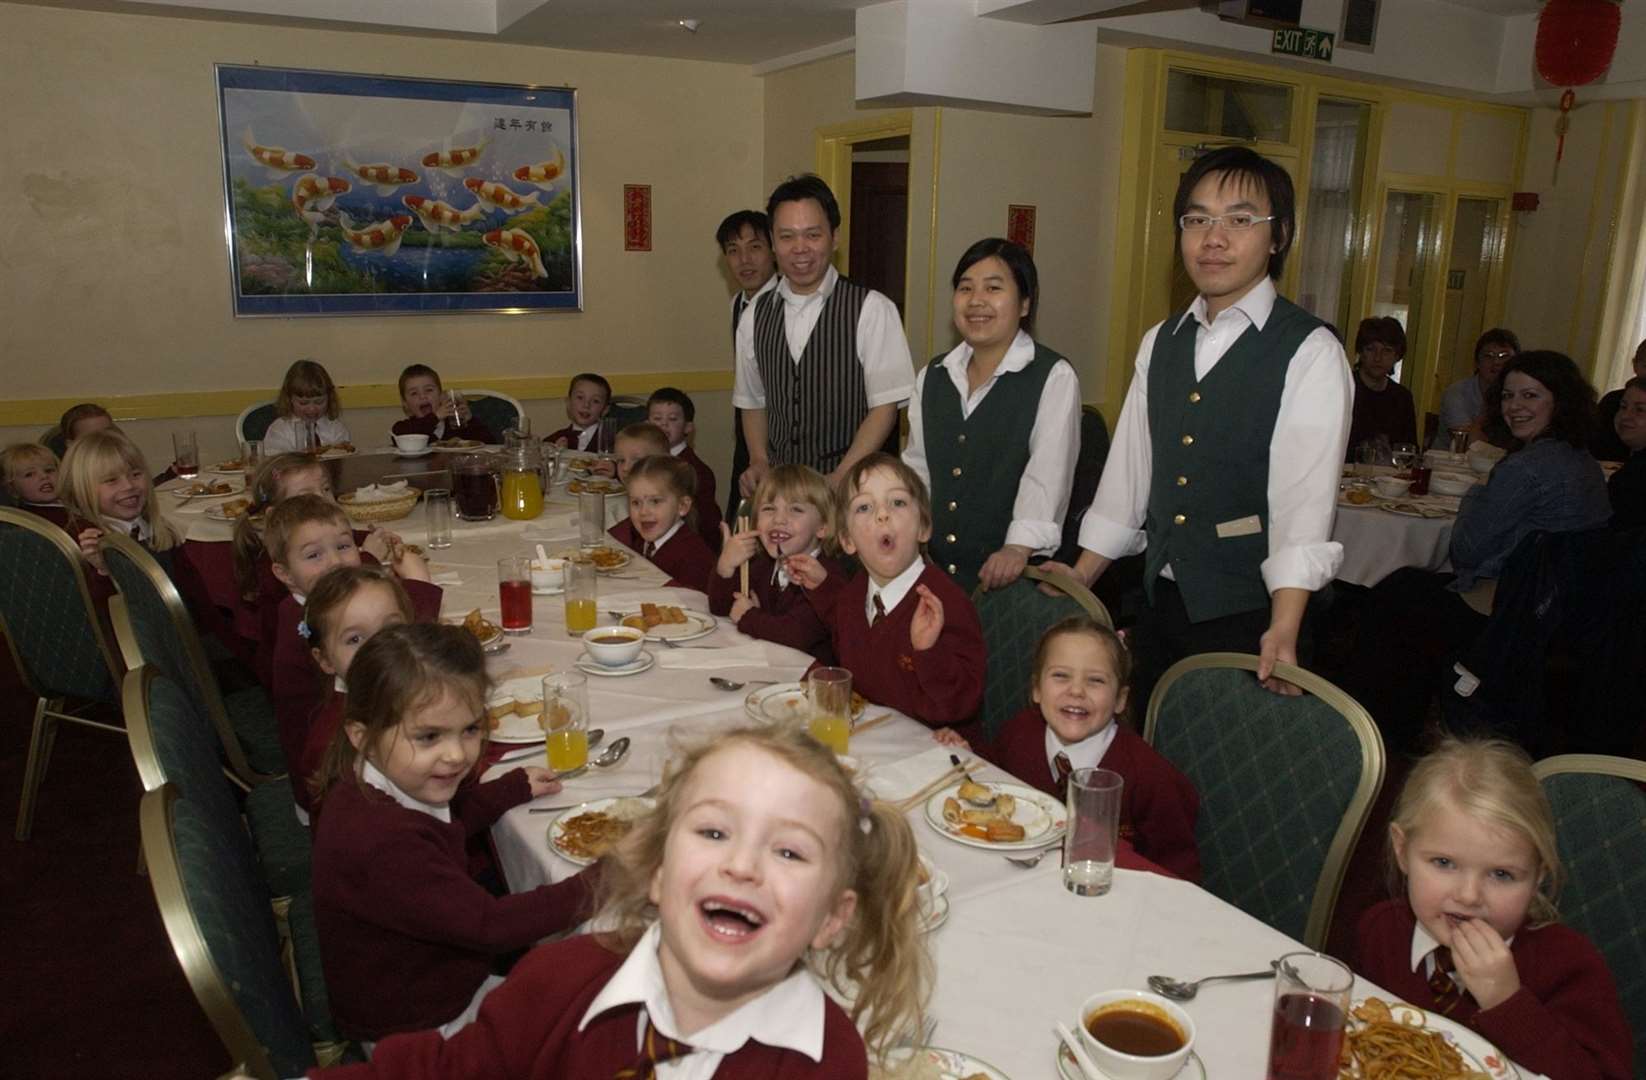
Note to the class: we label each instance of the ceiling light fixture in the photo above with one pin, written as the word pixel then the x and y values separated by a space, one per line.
pixel 690 25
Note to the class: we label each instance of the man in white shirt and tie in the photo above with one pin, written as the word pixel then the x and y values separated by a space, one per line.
pixel 745 239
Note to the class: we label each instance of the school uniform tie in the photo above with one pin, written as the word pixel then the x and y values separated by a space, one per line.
pixel 879 610
pixel 1064 767
pixel 1445 989
pixel 649 549
pixel 654 1050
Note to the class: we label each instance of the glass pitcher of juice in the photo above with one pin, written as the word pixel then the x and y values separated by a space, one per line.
pixel 522 482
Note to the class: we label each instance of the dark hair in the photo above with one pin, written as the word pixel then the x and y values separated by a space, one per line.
pixel 731 228
pixel 591 377
pixel 76 413
pixel 799 189
pixel 1242 166
pixel 413 371
pixel 1574 419
pixel 670 396
pixel 336 587
pixel 1017 260
pixel 1636 383
pixel 1381 330
pixel 1497 335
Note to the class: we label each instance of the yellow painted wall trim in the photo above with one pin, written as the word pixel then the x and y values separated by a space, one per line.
pixel 834 163
pixel 931 231
pixel 46 411
pixel 1145 76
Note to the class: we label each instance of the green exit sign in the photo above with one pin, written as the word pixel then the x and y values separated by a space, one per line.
pixel 1309 44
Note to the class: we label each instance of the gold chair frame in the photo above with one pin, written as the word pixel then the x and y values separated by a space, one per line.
pixel 48 711
pixel 1066 584
pixel 1603 764
pixel 183 625
pixel 1372 766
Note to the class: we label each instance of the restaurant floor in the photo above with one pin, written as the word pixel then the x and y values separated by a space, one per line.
pixel 90 986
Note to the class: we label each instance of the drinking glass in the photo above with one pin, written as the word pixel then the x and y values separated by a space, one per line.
pixel 459 405
pixel 591 518
pixel 581 602
pixel 185 454
pixel 1366 457
pixel 251 458
pixel 514 592
pixel 565 720
pixel 829 693
pixel 1310 1005
pixel 1094 830
pixel 1402 454
pixel 308 438
pixel 1460 439
pixel 438 504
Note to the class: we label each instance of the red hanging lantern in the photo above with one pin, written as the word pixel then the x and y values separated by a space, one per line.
pixel 1575 43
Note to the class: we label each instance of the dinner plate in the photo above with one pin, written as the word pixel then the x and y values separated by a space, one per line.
pixel 786 702
pixel 425 452
pixel 236 486
pixel 229 468
pixel 1043 818
pixel 557 828
pixel 1406 509
pixel 1477 1052
pixel 463 446
pixel 215 512
pixel 643 662
pixel 694 627
pixel 331 453
pixel 623 559
pixel 1069 1069
pixel 514 728
pixel 950 1064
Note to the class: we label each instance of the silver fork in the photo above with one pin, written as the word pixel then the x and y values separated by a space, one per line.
pixel 1027 862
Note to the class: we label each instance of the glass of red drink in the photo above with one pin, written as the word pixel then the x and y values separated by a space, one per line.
pixel 1311 1004
pixel 514 593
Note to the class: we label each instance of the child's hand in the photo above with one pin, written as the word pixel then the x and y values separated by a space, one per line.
pixel 409 564
pixel 379 546
pixel 88 548
pixel 735 549
pixel 928 620
pixel 561 442
pixel 1484 961
pixel 742 603
pixel 542 781
pixel 806 570
pixel 948 736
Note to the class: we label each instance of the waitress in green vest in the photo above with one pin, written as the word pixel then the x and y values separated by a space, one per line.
pixel 994 425
pixel 1225 465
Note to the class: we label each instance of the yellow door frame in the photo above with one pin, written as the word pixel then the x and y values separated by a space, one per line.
pixel 834 165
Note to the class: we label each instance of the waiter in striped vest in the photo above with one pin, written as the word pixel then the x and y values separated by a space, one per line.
pixel 822 363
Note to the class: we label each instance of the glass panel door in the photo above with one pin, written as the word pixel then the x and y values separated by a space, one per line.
pixel 1477 244
pixel 1407 258
pixel 1332 218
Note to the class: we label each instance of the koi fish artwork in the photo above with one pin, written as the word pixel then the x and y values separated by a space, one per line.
pixel 313 195
pixel 436 215
pixel 381 175
pixel 517 246
pixel 544 173
pixel 276 159
pixel 382 238
pixel 451 161
pixel 499 197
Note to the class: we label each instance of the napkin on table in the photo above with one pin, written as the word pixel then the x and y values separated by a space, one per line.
pixel 755 654
pixel 900 779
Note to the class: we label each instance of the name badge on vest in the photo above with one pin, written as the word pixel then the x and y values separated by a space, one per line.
pixel 1246 526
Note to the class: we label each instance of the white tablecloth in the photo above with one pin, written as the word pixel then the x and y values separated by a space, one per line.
pixel 1376 543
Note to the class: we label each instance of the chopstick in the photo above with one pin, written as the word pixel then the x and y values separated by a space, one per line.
pixel 869 725
pixel 952 773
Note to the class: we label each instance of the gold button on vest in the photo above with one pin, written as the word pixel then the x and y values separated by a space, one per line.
pixel 1194 397
pixel 1188 440
pixel 949 538
pixel 1183 481
pixel 1179 519
pixel 952 570
pixel 962 440
pixel 955 471
pixel 953 505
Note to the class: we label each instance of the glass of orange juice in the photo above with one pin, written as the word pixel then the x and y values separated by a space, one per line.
pixel 829 693
pixel 565 720
pixel 581 606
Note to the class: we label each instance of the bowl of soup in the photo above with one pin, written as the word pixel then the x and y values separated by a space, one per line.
pixel 412 444
pixel 1136 1035
pixel 614 646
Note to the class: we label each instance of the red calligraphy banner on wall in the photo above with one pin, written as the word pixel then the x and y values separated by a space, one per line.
pixel 1020 225
pixel 637 217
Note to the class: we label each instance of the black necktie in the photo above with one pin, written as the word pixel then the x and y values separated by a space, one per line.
pixel 879 610
pixel 654 1050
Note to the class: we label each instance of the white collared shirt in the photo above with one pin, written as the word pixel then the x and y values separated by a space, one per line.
pixel 789 1015
pixel 1423 954
pixel 678 448
pixel 888 373
pixel 584 436
pixel 283 434
pixel 892 593
pixel 136 528
pixel 1054 440
pixel 372 775
pixel 1305 454
pixel 661 540
pixel 780 572
pixel 1085 754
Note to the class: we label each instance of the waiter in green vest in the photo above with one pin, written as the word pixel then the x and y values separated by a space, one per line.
pixel 1226 460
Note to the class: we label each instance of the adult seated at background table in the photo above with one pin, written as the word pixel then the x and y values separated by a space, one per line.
pixel 1608 444
pixel 1383 408
pixel 1627 487
pixel 1547 482
pixel 1465 402
pixel 994 431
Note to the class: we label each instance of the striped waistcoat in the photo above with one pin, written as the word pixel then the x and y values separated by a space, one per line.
pixel 813 408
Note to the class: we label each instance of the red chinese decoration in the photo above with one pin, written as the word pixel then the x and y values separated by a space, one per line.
pixel 637 217
pixel 1575 43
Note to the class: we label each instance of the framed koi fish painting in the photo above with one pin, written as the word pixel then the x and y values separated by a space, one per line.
pixel 373 195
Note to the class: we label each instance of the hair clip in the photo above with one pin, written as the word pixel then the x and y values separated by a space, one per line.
pixel 865 817
pixel 303 628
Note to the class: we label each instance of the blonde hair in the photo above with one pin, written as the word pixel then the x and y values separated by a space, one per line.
pixel 18 456
pixel 1491 781
pixel 265 491
pixel 802 484
pixel 307 378
pixel 93 458
pixel 852 482
pixel 880 962
pixel 292 514
pixel 648 433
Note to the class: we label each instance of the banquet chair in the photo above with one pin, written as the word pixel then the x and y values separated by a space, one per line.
pixel 253 421
pixel 498 411
pixel 56 639
pixel 626 409
pixel 221 929
pixel 1286 784
pixel 1013 620
pixel 1600 830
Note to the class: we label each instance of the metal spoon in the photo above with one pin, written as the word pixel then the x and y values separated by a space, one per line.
pixel 729 684
pixel 1178 990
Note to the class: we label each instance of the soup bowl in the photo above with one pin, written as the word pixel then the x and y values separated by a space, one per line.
pixel 1153 1036
pixel 614 646
pixel 411 443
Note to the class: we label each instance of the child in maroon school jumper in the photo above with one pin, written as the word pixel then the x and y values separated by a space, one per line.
pixel 761 851
pixel 408 939
pixel 429 412
pixel 587 399
pixel 908 634
pixel 794 509
pixel 1474 937
pixel 30 474
pixel 660 500
pixel 672 411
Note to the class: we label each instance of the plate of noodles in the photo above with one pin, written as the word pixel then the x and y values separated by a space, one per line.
pixel 1397 1040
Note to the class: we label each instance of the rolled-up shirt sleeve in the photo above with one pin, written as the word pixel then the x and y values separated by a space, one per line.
pixel 914 451
pixel 1305 464
pixel 748 392
pixel 882 349
pixel 1043 491
pixel 1113 525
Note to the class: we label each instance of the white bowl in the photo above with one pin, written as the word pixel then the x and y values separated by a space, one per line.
pixel 609 653
pixel 1391 487
pixel 1445 483
pixel 412 443
pixel 1120 1065
pixel 548 575
pixel 935 885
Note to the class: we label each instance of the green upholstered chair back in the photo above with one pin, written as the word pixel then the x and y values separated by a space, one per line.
pixel 1600 828
pixel 493 408
pixel 217 914
pixel 1014 618
pixel 172 743
pixel 254 420
pixel 46 612
pixel 1285 783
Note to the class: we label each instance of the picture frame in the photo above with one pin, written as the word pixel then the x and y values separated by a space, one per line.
pixel 350 194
